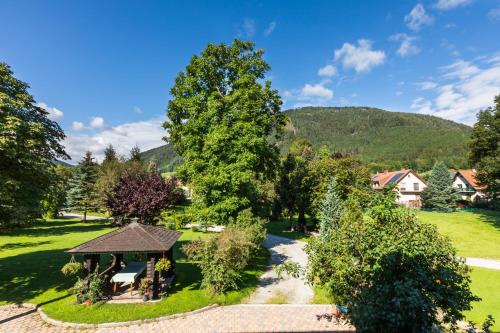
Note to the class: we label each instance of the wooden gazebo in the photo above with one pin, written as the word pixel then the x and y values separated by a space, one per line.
pixel 154 241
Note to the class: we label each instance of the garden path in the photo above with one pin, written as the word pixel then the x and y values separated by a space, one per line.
pixel 295 291
pixel 484 263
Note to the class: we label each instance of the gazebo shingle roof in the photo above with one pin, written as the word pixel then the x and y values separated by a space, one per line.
pixel 133 237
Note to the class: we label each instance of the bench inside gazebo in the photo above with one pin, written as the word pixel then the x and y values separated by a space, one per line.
pixel 155 242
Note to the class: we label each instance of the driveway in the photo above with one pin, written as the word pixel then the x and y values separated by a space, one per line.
pixel 295 291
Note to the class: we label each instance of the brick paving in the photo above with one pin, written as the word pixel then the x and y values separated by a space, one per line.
pixel 234 318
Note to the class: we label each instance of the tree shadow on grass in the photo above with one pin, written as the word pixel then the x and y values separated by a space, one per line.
pixel 489 217
pixel 57 228
pixel 26 276
pixel 12 246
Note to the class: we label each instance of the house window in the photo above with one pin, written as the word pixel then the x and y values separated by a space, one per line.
pixel 416 186
pixel 459 185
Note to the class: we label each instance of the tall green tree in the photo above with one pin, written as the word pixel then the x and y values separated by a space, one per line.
pixel 29 143
pixel 330 211
pixel 440 193
pixel 109 173
pixel 484 146
pixel 82 195
pixel 54 199
pixel 135 154
pixel 220 116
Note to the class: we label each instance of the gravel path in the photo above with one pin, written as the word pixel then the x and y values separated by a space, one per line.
pixel 80 216
pixel 296 291
pixel 485 263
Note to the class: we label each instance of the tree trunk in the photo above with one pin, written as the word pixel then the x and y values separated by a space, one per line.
pixel 302 221
pixel 291 221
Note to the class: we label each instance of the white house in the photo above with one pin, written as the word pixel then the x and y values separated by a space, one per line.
pixel 408 184
pixel 465 182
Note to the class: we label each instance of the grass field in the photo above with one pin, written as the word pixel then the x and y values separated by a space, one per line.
pixel 281 228
pixel 31 259
pixel 474 234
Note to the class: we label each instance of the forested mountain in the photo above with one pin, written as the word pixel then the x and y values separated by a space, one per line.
pixel 382 139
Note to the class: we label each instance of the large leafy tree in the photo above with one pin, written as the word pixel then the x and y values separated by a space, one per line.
pixel 440 193
pixel 110 171
pixel 29 143
pixel 330 211
pixel 394 273
pixel 142 196
pixel 484 148
pixel 82 195
pixel 220 117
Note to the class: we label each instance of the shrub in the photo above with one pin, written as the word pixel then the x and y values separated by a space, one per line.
pixel 221 258
pixel 90 288
pixel 394 273
pixel 144 285
pixel 142 196
pixel 253 226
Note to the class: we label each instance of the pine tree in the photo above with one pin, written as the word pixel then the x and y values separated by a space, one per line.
pixel 110 155
pixel 440 194
pixel 330 211
pixel 135 154
pixel 82 195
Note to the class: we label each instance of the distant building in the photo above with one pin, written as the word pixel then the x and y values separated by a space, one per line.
pixel 408 184
pixel 466 183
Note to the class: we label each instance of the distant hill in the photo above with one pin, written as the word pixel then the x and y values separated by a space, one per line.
pixel 382 139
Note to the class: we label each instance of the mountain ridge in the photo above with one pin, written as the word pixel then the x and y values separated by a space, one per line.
pixel 382 139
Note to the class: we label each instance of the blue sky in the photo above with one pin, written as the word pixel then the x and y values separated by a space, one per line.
pixel 104 68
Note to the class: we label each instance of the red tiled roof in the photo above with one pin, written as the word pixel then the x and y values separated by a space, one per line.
pixel 386 177
pixel 470 177
pixel 133 237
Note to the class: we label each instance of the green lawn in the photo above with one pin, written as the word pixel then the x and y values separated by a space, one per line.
pixel 474 234
pixel 30 260
pixel 485 284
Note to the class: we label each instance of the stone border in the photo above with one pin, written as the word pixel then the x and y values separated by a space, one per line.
pixel 59 323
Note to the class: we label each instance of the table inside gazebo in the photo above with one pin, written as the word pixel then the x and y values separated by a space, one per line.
pixel 128 274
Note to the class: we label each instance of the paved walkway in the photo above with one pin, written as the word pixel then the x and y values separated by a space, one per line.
pixel 295 291
pixel 235 318
pixel 80 216
pixel 485 263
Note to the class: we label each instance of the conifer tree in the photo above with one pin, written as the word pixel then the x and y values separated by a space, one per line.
pixel 440 194
pixel 330 211
pixel 82 195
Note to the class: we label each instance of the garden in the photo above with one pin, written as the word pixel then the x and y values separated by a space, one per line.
pixel 31 260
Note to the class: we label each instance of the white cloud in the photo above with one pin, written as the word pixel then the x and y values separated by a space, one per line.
pixel 327 71
pixel 450 4
pixel 494 14
pixel 77 125
pixel 465 89
pixel 361 58
pixel 144 134
pixel 249 28
pixel 137 109
pixel 54 113
pixel 406 48
pixel 418 18
pixel 270 29
pixel 317 91
pixel 97 122
pixel 427 85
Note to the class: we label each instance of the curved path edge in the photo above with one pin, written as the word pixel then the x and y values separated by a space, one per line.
pixel 59 323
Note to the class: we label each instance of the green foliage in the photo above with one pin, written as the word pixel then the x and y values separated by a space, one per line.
pixel 372 135
pixel 81 195
pixel 29 142
pixel 145 284
pixel 163 265
pixel 72 268
pixel 221 258
pixel 89 289
pixel 220 116
pixel 440 193
pixel 55 198
pixel 330 211
pixel 394 273
pixel 253 226
pixel 484 148
pixel 290 268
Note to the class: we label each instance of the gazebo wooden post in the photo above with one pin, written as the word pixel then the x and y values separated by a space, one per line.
pixel 91 262
pixel 152 259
